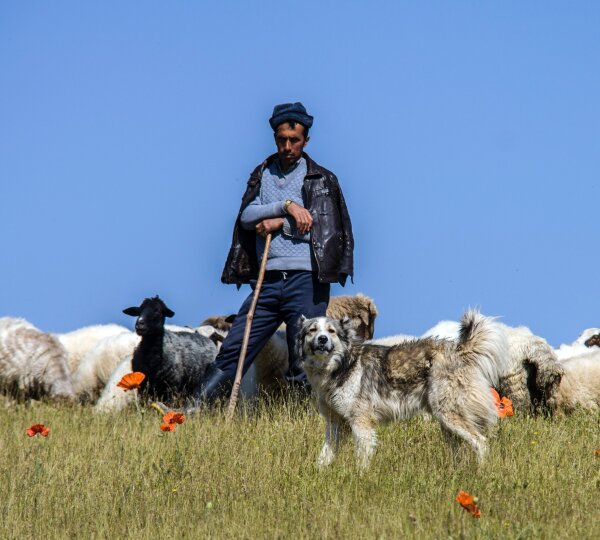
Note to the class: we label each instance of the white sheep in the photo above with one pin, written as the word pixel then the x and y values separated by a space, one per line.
pixel 114 399
pixel 80 342
pixel 580 384
pixel 98 365
pixel 534 373
pixel 578 347
pixel 393 340
pixel 33 361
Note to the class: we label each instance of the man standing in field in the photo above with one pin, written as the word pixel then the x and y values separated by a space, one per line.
pixel 302 205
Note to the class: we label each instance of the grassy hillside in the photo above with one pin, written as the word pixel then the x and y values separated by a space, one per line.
pixel 120 476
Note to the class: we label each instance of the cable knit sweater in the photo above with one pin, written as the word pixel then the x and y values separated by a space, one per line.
pixel 289 249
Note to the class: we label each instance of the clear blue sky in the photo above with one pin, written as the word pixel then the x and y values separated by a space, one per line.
pixel 466 136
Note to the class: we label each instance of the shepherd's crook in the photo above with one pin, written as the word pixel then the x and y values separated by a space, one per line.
pixel 238 374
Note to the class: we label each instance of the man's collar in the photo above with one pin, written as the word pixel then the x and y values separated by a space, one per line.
pixel 290 168
pixel 312 169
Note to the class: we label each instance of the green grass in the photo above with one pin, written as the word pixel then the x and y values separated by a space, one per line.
pixel 120 476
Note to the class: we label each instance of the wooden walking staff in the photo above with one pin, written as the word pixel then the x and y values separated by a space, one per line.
pixel 240 367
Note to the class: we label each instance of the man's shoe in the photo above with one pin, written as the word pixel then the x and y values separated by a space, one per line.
pixel 298 382
pixel 215 386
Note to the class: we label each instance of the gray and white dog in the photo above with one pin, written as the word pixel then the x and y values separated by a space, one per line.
pixel 359 384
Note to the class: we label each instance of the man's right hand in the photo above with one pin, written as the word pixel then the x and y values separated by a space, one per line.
pixel 302 217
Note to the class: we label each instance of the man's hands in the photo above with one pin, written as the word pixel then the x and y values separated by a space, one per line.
pixel 302 216
pixel 267 226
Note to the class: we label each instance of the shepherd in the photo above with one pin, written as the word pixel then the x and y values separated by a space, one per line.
pixel 302 206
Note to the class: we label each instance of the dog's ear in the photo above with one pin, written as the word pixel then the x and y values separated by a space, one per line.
pixel 301 321
pixel 133 311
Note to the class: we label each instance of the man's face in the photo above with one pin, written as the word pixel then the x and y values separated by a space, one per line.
pixel 290 143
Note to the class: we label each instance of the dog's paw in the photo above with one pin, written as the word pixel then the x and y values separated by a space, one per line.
pixel 325 457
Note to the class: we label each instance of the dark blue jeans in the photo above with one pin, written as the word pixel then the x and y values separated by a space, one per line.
pixel 284 297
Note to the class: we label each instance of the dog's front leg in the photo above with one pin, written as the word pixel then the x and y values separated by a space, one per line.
pixel 333 434
pixel 365 437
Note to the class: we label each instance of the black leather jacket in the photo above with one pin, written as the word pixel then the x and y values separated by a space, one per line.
pixel 331 233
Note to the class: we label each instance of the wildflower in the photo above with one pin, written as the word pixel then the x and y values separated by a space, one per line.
pixel 598 452
pixel 468 503
pixel 168 427
pixel 131 381
pixel 173 417
pixel 503 406
pixel 37 429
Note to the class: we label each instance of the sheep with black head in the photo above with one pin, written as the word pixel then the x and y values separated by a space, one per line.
pixel 175 363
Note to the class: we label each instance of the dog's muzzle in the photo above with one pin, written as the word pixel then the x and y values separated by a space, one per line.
pixel 322 344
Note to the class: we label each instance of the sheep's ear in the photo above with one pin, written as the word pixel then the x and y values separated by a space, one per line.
pixel 167 312
pixel 133 311
pixel 347 325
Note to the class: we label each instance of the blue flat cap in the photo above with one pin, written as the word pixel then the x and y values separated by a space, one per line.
pixel 290 111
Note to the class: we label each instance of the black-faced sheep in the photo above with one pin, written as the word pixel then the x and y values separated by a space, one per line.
pixel 175 363
pixel 32 363
pixel 593 341
pixel 98 365
pixel 112 398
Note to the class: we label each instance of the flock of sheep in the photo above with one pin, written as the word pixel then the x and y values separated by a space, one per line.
pixel 85 365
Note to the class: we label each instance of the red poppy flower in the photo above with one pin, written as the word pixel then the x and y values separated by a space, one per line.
pixel 131 381
pixel 504 406
pixel 37 429
pixel 168 427
pixel 173 417
pixel 468 503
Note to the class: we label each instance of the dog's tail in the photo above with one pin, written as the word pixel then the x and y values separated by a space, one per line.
pixel 460 395
pixel 483 342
